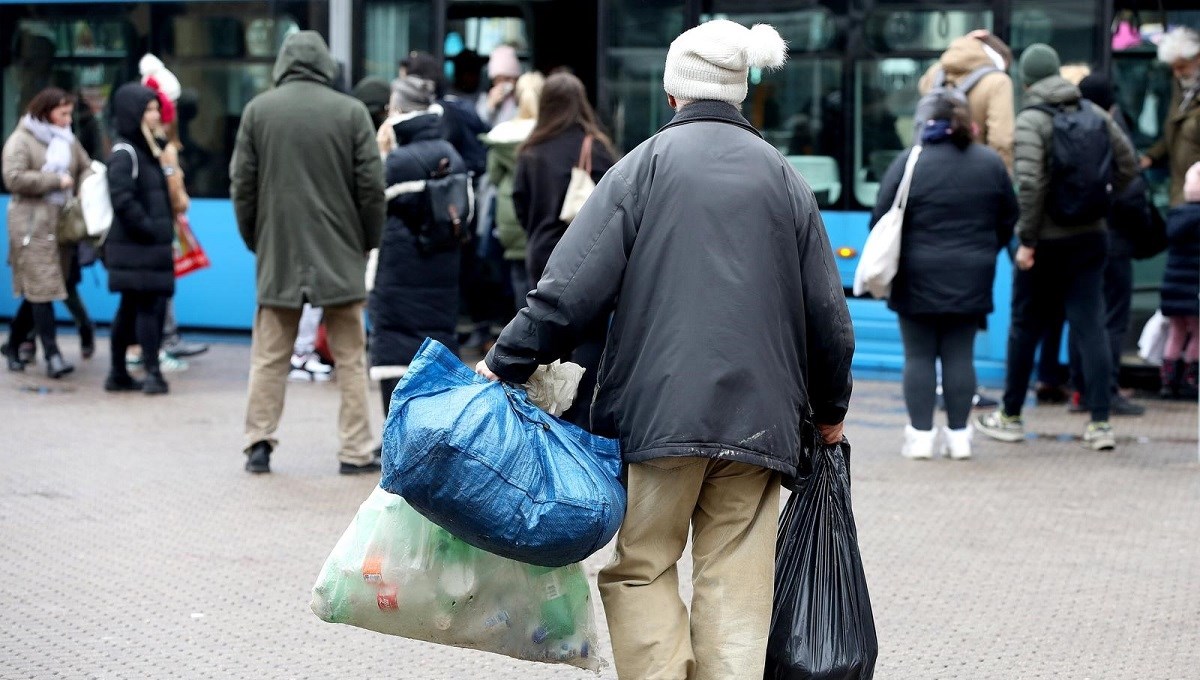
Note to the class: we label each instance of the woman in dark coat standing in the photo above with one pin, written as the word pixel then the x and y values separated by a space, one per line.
pixel 1181 293
pixel 137 252
pixel 961 211
pixel 415 293
pixel 544 163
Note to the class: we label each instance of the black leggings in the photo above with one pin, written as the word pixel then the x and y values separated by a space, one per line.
pixel 34 317
pixel 950 338
pixel 139 321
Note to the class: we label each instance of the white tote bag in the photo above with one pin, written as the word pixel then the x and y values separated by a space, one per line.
pixel 881 253
pixel 94 199
pixel 581 185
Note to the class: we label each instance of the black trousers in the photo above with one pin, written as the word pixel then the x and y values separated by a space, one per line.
pixel 31 318
pixel 1118 295
pixel 1067 274
pixel 950 338
pixel 386 387
pixel 139 321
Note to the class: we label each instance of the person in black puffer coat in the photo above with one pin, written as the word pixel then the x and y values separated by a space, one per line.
pixel 137 252
pixel 961 211
pixel 1181 293
pixel 415 294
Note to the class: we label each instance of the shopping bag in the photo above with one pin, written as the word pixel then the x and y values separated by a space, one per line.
pixel 821 624
pixel 395 572
pixel 480 460
pixel 581 185
pixel 189 256
pixel 880 258
pixel 1153 340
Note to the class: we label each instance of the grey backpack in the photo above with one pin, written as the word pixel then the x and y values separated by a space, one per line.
pixel 941 88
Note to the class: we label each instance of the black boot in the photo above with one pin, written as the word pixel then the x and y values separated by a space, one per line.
pixel 154 383
pixel 14 362
pixel 57 366
pixel 87 340
pixel 121 382
pixel 258 458
pixel 1170 375
pixel 1189 387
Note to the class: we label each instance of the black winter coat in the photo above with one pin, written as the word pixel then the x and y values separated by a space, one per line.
pixel 543 175
pixel 961 212
pixel 729 321
pixel 137 251
pixel 1181 279
pixel 415 294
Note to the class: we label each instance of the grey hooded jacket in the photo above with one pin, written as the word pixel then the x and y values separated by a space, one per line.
pixel 1031 160
pixel 307 182
pixel 729 321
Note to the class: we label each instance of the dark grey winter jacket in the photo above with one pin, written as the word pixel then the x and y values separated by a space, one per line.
pixel 729 317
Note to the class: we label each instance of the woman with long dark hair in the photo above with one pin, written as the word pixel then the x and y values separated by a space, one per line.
pixel 961 211
pixel 42 165
pixel 566 126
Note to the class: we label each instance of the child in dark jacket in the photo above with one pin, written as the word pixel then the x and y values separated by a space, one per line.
pixel 1181 293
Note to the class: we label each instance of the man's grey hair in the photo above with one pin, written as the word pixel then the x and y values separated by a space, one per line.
pixel 1179 43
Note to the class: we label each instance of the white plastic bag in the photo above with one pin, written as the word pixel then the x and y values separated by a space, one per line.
pixel 880 259
pixel 1153 339
pixel 553 387
pixel 395 572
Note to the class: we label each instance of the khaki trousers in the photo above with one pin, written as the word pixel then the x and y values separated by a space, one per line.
pixel 733 511
pixel 270 361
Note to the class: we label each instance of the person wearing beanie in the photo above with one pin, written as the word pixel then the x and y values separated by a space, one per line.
pixel 1060 262
pixel 990 99
pixel 1180 294
pixel 503 69
pixel 728 323
pixel 375 94
pixel 1179 148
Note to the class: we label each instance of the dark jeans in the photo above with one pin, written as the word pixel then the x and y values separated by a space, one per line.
pixel 1118 294
pixel 1068 274
pixel 34 317
pixel 926 339
pixel 139 321
pixel 519 280
pixel 1049 370
pixel 386 387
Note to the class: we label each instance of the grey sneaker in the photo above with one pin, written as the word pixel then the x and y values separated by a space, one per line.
pixel 1001 427
pixel 1099 436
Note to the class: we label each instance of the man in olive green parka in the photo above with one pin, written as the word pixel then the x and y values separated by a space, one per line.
pixel 307 188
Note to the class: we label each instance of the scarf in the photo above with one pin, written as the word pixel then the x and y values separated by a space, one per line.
pixel 60 144
pixel 935 131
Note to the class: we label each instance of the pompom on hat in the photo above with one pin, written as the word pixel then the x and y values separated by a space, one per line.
pixel 712 60
pixel 157 77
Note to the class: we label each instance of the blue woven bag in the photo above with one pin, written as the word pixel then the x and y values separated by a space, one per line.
pixel 477 458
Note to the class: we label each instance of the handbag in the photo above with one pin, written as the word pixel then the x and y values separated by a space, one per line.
pixel 71 228
pixel 581 185
pixel 880 258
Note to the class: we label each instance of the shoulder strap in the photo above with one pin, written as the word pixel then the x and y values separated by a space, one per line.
pixel 974 77
pixel 901 199
pixel 1044 108
pixel 585 155
pixel 122 146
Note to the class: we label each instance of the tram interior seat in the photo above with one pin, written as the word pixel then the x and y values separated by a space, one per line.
pixel 821 173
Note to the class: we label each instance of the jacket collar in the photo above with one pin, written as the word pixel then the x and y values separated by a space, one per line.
pixel 708 110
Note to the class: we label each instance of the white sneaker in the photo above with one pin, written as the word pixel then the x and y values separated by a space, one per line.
pixel 309 368
pixel 918 444
pixel 957 443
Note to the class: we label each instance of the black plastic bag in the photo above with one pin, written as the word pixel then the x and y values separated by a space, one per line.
pixel 821 624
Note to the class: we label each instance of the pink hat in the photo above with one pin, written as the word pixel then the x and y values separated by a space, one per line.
pixel 1191 184
pixel 503 62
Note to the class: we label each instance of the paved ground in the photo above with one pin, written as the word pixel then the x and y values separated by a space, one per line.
pixel 134 546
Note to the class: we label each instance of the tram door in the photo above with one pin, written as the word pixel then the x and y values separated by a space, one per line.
pixel 547 35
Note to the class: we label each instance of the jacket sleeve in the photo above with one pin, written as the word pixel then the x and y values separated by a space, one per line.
pixel 1158 152
pixel 19 175
pixel 1125 162
pixel 888 188
pixel 828 332
pixel 580 284
pixel 1029 166
pixel 496 171
pixel 999 118
pixel 520 195
pixel 122 190
pixel 368 180
pixel 243 176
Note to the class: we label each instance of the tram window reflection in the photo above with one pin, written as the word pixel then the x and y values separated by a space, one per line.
pixel 805 25
pixel 885 97
pixel 904 28
pixel 1068 25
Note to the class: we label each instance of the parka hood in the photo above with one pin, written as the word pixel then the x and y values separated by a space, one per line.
pixel 129 105
pixel 304 56
pixel 963 56
pixel 1053 90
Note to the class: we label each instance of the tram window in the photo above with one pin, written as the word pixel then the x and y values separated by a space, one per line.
pixel 806 27
pixel 890 30
pixel 1069 26
pixel 639 33
pixel 645 23
pixel 392 29
pixel 885 96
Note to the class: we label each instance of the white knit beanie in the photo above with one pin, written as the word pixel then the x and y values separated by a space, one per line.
pixel 711 60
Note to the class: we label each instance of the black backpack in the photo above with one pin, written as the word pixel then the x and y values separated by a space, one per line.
pixel 448 200
pixel 1080 164
pixel 940 88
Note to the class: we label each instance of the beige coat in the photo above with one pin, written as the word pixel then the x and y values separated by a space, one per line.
pixel 1180 144
pixel 990 101
pixel 37 273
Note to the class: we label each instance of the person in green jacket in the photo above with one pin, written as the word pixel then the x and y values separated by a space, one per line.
pixel 503 143
pixel 307 189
